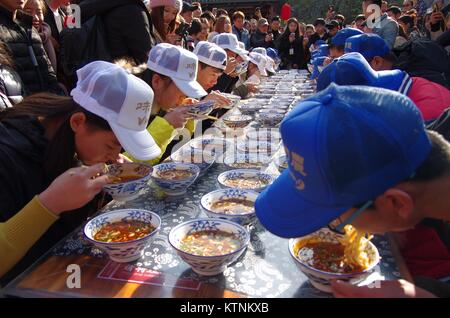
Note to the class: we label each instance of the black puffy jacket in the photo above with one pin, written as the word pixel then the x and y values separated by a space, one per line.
pixel 35 70
pixel 127 26
pixel 10 84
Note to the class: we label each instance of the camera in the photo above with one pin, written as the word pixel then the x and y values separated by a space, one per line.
pixel 183 30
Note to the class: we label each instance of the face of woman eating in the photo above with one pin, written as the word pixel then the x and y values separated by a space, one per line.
pixel 207 76
pixel 93 144
pixel 167 94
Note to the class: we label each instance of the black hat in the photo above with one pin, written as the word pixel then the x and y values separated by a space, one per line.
pixel 188 7
pixel 333 24
pixel 320 21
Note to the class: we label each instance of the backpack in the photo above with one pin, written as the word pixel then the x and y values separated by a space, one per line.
pixel 80 46
pixel 424 58
pixel 74 55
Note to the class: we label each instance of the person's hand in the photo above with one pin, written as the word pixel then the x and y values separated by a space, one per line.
pixel 252 88
pixel 269 37
pixel 231 66
pixel 291 38
pixel 178 117
pixel 436 17
pixel 189 101
pixel 173 38
pixel 327 61
pixel 385 289
pixel 74 188
pixel 123 159
pixel 218 98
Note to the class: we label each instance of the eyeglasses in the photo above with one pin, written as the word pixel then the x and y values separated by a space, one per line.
pixel 338 224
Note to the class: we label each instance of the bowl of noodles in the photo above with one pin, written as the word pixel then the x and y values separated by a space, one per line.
pixel 123 234
pixel 127 179
pixel 209 246
pixel 324 256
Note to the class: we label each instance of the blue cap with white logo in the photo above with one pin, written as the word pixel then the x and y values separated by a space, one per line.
pixel 353 69
pixel 345 146
pixel 368 44
pixel 342 35
pixel 317 62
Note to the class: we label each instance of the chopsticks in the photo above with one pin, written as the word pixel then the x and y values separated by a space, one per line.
pixel 201 116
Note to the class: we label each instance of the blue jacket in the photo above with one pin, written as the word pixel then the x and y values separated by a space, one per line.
pixel 242 36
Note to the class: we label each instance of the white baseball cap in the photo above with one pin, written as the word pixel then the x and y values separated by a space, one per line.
pixel 244 56
pixel 123 100
pixel 211 54
pixel 260 61
pixel 270 62
pixel 178 64
pixel 229 41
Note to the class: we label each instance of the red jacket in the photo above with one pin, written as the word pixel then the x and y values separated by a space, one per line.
pixel 431 98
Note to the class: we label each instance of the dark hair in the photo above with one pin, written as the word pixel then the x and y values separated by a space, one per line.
pixel 221 12
pixel 157 15
pixel 360 17
pixel 286 33
pixel 5 55
pixel 208 15
pixel 276 18
pixel 141 71
pixel 395 10
pixel 60 152
pixel 377 2
pixel 407 19
pixel 340 16
pixel 196 27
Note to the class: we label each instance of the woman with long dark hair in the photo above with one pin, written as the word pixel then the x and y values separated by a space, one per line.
pixel 290 46
pixel 45 135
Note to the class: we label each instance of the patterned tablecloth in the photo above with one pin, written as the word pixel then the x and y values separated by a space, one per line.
pixel 266 269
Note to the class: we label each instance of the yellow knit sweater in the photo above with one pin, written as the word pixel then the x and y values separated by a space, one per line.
pixel 22 231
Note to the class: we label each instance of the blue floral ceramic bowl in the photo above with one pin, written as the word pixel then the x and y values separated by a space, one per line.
pixel 234 99
pixel 245 179
pixel 122 251
pixel 209 265
pixel 201 108
pixel 269 119
pixel 202 159
pixel 237 121
pixel 174 178
pixel 216 146
pixel 241 216
pixel 239 160
pixel 258 147
pixel 322 279
pixel 123 190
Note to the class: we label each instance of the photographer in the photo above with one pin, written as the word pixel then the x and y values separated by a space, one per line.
pixel 261 38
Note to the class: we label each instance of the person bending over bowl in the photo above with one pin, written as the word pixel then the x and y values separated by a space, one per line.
pixel 361 156
pixel 46 135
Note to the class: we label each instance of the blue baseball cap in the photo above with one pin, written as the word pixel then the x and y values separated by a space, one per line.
pixel 368 44
pixel 353 69
pixel 318 61
pixel 272 53
pixel 342 35
pixel 345 146
pixel 320 42
pixel 322 50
